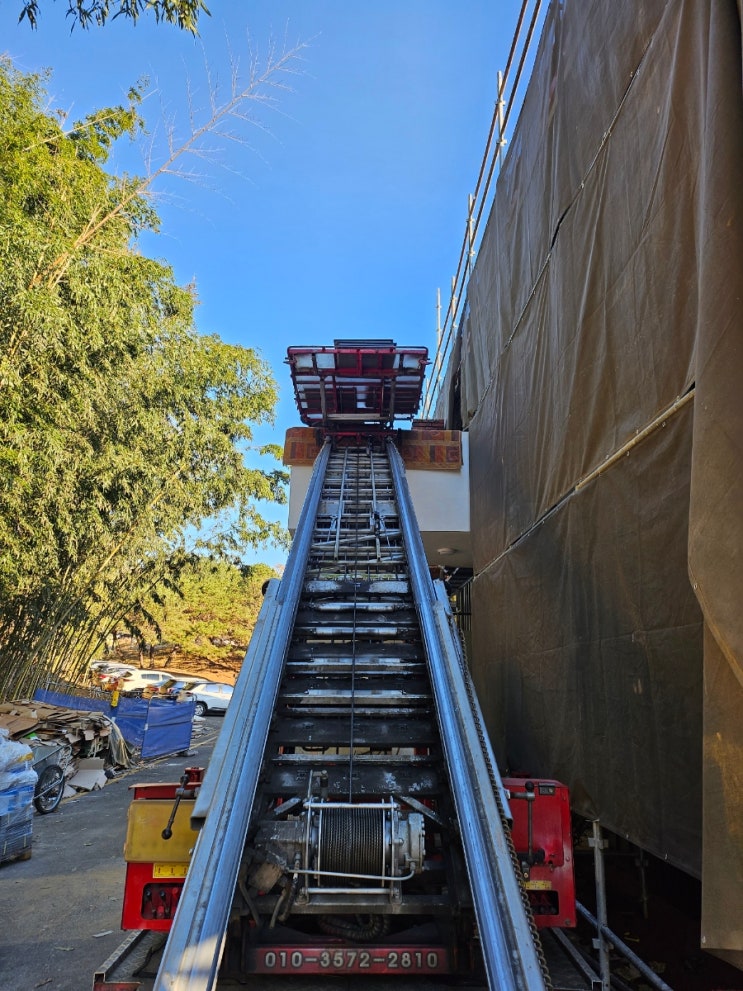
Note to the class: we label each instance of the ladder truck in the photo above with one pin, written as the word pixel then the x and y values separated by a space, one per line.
pixel 352 821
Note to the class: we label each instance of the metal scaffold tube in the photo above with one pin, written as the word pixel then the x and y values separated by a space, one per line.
pixel 510 955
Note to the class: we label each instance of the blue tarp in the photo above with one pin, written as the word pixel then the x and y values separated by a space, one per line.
pixel 158 726
pixel 168 727
pixel 72 702
pixel 130 715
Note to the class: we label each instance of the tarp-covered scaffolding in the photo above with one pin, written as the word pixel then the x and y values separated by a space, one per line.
pixel 599 371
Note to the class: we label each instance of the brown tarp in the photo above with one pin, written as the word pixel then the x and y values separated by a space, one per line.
pixel 600 374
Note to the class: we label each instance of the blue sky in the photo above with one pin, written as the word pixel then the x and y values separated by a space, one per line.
pixel 345 210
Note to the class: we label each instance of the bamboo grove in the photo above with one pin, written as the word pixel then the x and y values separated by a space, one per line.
pixel 121 428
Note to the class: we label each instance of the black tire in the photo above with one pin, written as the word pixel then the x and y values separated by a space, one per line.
pixel 200 709
pixel 49 789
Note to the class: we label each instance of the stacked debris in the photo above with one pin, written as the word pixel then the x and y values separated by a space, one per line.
pixel 17 783
pixel 87 746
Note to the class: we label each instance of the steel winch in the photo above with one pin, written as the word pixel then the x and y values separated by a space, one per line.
pixel 338 848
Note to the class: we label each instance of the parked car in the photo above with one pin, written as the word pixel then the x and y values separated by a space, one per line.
pixel 141 681
pixel 104 673
pixel 177 687
pixel 210 697
pixel 98 667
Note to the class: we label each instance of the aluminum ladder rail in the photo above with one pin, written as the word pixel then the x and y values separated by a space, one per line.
pixel 510 955
pixel 192 954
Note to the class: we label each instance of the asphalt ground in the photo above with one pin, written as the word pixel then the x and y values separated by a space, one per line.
pixel 60 911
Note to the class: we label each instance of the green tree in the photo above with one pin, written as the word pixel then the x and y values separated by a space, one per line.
pixel 209 614
pixel 121 428
pixel 184 13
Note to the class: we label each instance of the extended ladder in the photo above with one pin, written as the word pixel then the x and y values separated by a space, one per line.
pixel 352 817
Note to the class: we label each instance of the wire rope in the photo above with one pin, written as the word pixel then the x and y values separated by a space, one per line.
pixel 352 726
